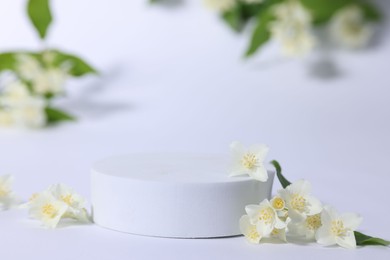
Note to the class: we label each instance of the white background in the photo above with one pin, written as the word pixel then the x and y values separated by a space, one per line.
pixel 173 79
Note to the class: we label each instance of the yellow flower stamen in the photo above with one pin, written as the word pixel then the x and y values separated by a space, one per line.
pixel 266 215
pixel 249 160
pixel 298 203
pixel 278 203
pixel 337 228
pixel 253 235
pixel 313 222
pixel 3 192
pixel 68 199
pixel 33 197
pixel 49 210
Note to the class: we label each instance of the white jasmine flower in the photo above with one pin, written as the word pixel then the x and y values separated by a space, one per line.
pixel 220 5
pixel 249 161
pixel 28 67
pixel 56 203
pixel 22 109
pixel 349 29
pixel 50 81
pixel 264 217
pixel 76 203
pixel 5 118
pixel 46 208
pixel 292 28
pixel 29 113
pixel 280 206
pixel 338 229
pixel 299 202
pixel 7 196
pixel 249 230
pixel 307 227
pixel 14 92
pixel 278 203
pixel 279 234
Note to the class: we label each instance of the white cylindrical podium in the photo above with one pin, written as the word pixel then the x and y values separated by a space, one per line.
pixel 182 196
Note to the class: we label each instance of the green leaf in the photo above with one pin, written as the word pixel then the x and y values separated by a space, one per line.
pixel 323 10
pixel 54 115
pixel 365 240
pixel 78 67
pixel 40 15
pixel 261 34
pixel 370 11
pixel 7 61
pixel 233 18
pixel 283 181
pixel 239 16
pixel 253 10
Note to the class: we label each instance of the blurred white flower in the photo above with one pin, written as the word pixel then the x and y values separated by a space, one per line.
pixel 5 118
pixel 46 208
pixel 14 92
pixel 338 229
pixel 29 113
pixel 349 29
pixel 252 1
pixel 249 161
pixel 292 28
pixel 76 203
pixel 299 202
pixel 220 5
pixel 43 80
pixel 7 196
pixel 249 230
pixel 50 81
pixel 264 217
pixel 20 108
pixel 306 228
pixel 28 67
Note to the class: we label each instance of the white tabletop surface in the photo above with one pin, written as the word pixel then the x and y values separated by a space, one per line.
pixel 173 81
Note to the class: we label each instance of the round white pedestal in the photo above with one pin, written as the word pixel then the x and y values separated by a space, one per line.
pixel 172 195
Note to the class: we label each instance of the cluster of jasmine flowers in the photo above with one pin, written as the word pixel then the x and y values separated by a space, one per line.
pixel 296 212
pixel 25 95
pixel 293 211
pixel 50 206
pixel 292 24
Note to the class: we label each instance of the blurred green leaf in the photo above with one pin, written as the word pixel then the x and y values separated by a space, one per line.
pixel 261 33
pixel 40 15
pixel 371 12
pixel 322 10
pixel 7 61
pixel 233 18
pixel 55 115
pixel 365 240
pixel 78 67
pixel 239 16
